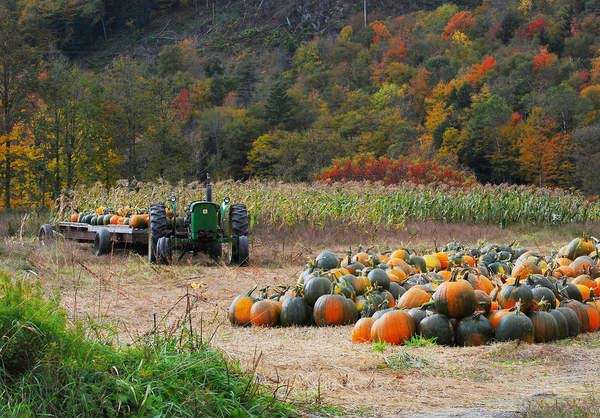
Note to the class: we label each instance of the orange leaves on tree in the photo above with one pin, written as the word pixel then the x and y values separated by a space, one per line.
pixel 380 31
pixel 478 71
pixel 367 167
pixel 543 59
pixel 397 49
pixel 460 22
pixel 535 27
pixel 182 105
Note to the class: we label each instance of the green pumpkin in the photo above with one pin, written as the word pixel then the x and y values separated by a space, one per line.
pixel 573 324
pixel 379 279
pixel 327 260
pixel 437 326
pixel 316 288
pixel 294 311
pixel 543 293
pixel 418 262
pixel 545 328
pixel 106 219
pixel 396 290
pixel 515 326
pixel 474 330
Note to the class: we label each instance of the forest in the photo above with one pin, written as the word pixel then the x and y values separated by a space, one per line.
pixel 433 91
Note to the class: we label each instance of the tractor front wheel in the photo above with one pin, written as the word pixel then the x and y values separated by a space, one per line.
pixel 164 252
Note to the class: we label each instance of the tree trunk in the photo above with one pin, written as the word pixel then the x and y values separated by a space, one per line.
pixel 6 132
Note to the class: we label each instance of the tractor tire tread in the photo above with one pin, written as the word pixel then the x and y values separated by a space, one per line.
pixel 239 219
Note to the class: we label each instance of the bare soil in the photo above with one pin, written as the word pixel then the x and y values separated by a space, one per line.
pixel 320 365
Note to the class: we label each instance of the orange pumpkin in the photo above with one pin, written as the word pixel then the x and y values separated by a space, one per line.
pixel 400 253
pixel 265 313
pixel 239 310
pixel 593 317
pixel 363 258
pixel 480 282
pixel 563 261
pixel 331 310
pixel 446 274
pixel 361 333
pixel 585 280
pixel 496 316
pixel 414 297
pixel 455 298
pixel 114 219
pixel 563 271
pixel 523 270
pixel 138 221
pixel 444 261
pixel 468 260
pixel 74 217
pixel 394 327
pixel 397 275
pixel 585 292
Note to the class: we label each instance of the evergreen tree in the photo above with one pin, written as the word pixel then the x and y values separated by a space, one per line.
pixel 278 109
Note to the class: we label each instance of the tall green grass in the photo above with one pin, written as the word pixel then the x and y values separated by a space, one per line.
pixel 50 369
pixel 275 204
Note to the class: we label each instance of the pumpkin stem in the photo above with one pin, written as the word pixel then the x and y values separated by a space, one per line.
pixel 249 293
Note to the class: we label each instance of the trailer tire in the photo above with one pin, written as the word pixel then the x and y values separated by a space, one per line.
pixel 102 242
pixel 46 233
pixel 159 227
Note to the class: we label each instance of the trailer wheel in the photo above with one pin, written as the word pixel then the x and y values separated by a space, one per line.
pixel 46 233
pixel 164 252
pixel 240 251
pixel 102 242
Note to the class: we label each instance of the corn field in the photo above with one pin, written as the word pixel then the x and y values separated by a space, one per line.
pixel 276 205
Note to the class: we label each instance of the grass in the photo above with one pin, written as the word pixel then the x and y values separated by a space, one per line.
pixel 419 341
pixel 403 360
pixel 572 408
pixel 49 368
pixel 361 205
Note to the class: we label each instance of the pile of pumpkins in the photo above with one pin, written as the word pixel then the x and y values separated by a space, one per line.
pixel 456 296
pixel 103 216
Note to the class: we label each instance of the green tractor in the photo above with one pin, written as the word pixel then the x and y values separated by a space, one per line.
pixel 205 228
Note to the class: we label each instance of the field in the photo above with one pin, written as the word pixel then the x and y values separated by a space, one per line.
pixel 320 368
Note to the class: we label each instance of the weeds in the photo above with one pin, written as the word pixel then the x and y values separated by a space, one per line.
pixel 419 341
pixel 403 360
pixel 572 408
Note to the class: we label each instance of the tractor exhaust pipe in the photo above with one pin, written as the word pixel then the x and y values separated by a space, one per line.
pixel 208 185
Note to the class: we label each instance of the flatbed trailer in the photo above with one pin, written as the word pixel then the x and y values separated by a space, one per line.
pixel 102 237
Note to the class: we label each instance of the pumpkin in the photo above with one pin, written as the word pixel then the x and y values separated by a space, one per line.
pixel 114 219
pixel 316 288
pixel 581 311
pixel 584 265
pixel 577 247
pixel 396 275
pixel 515 326
pixel 562 326
pixel 480 282
pixel 382 312
pixel 417 314
pixel 137 221
pixel 563 261
pixel 570 290
pixel 354 268
pixel 362 258
pixel 564 271
pixel 483 301
pixel 389 298
pixel 401 254
pixel 445 274
pixel 432 262
pixel 359 283
pixel 396 290
pixel 455 298
pixel 106 219
pixel 584 291
pixel 523 270
pixel 585 280
pixel 239 310
pixel 573 322
pixel 469 260
pixel 379 279
pixel 511 294
pixel 474 330
pixel 338 272
pixel 541 293
pixel 545 328
pixel 327 260
pixel 331 310
pixel 393 328
pixel 361 333
pixel 413 298
pixel 265 313
pixel 74 217
pixel 443 258
pixel 495 316
pixel 593 317
pixel 437 326
pixel 294 311
pixel 374 302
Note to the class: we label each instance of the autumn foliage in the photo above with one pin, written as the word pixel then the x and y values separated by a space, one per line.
pixel 460 22
pixel 380 31
pixel 535 27
pixel 389 171
pixel 543 59
pixel 478 71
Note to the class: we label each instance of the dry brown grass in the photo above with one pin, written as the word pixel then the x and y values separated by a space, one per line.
pixel 321 364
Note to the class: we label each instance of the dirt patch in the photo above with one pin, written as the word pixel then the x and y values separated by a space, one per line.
pixel 321 364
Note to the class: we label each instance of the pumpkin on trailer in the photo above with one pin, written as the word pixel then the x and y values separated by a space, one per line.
pixel 455 298
pixel 239 310
pixel 393 328
pixel 474 330
pixel 413 298
pixel 361 333
pixel 74 217
pixel 265 313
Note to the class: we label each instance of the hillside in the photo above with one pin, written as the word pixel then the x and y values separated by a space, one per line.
pixel 507 91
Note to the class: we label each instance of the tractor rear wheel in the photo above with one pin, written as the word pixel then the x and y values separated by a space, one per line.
pixel 239 219
pixel 159 227
pixel 164 252
pixel 240 251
